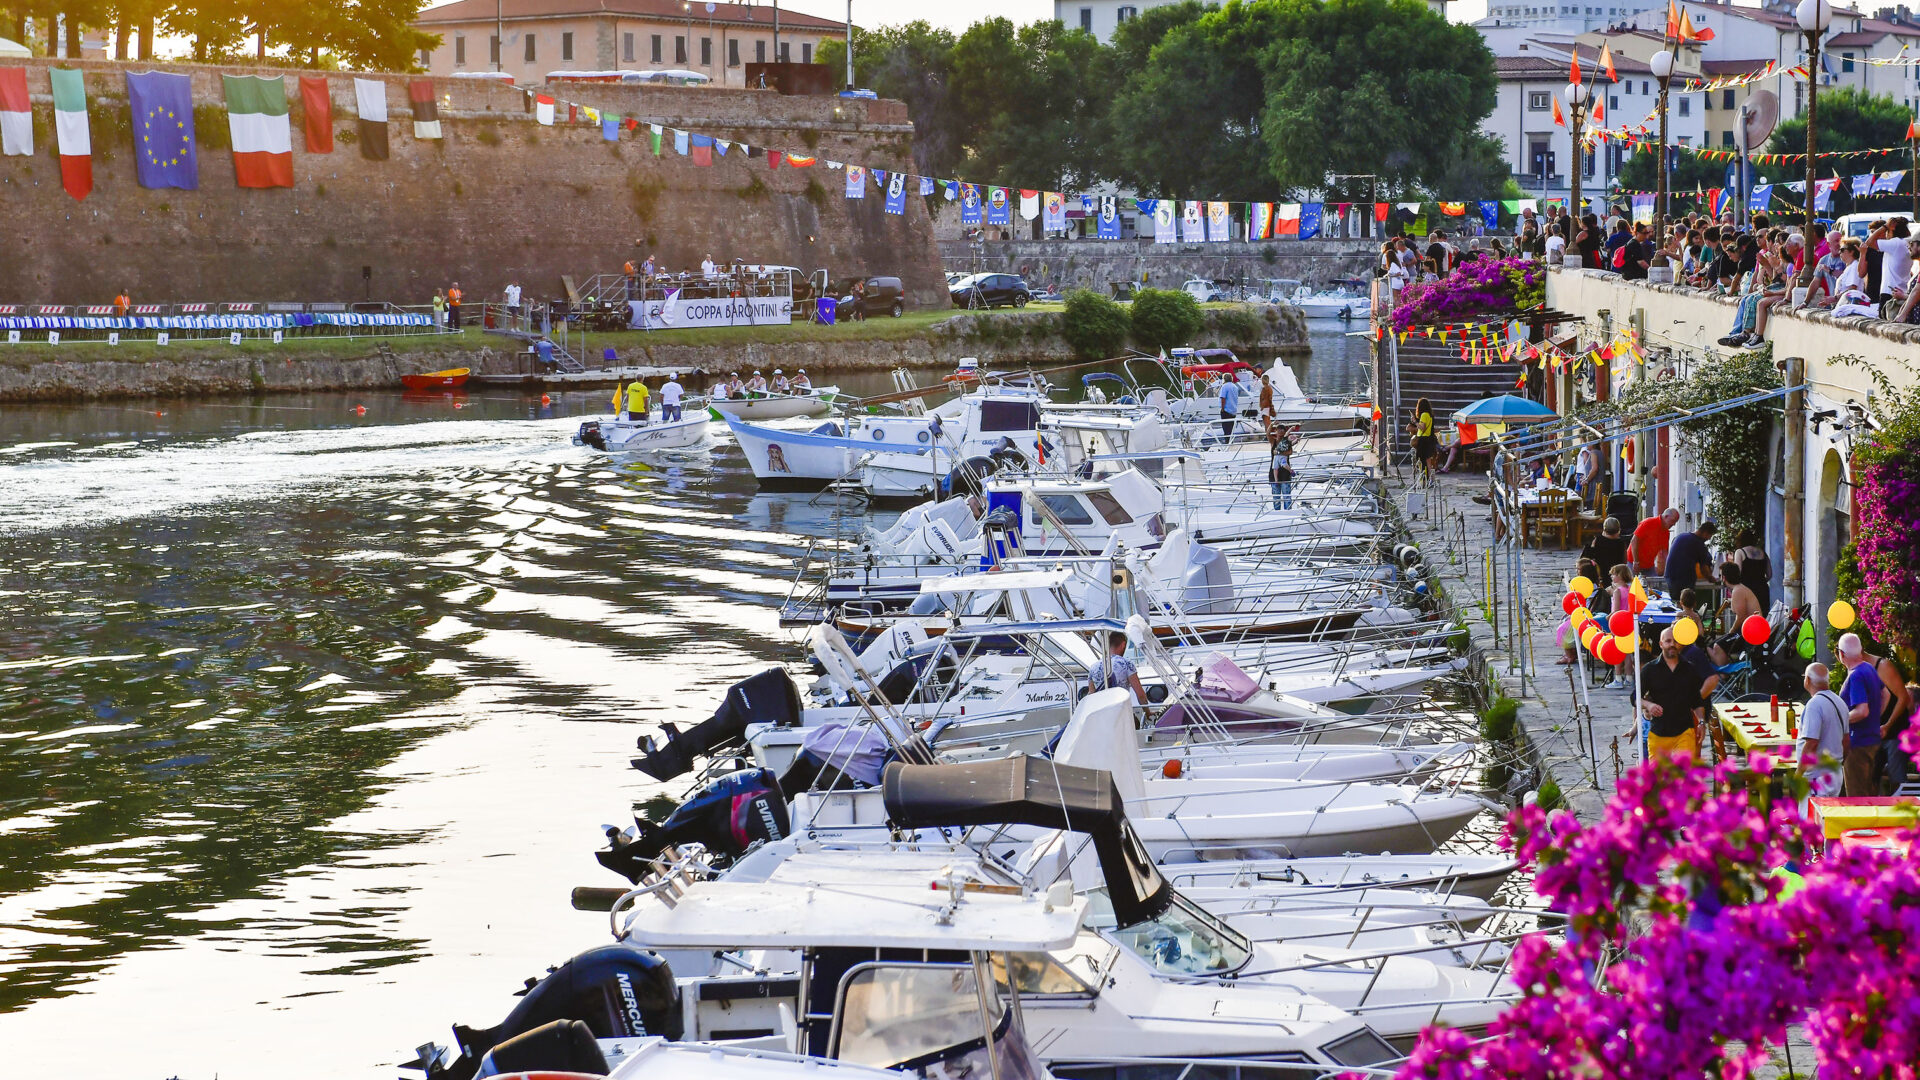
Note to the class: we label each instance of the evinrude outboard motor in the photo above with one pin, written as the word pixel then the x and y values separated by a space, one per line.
pixel 591 435
pixel 617 991
pixel 728 816
pixel 767 698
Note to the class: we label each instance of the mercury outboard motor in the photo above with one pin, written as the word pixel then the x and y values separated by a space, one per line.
pixel 591 435
pixel 617 991
pixel 728 816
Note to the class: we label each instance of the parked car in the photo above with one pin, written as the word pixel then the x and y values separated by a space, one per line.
pixel 1206 291
pixel 991 290
pixel 884 294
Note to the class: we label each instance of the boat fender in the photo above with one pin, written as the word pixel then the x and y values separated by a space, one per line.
pixel 1172 769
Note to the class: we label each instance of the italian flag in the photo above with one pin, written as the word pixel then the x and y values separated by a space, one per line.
pixel 70 130
pixel 262 139
pixel 543 109
pixel 16 113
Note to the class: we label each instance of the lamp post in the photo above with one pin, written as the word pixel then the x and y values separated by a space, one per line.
pixel 1813 17
pixel 1577 106
pixel 1662 65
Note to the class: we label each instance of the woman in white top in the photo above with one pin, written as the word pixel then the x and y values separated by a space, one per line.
pixel 1896 264
pixel 1556 243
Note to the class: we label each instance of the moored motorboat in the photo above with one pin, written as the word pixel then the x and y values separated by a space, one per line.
pixel 449 379
pixel 760 405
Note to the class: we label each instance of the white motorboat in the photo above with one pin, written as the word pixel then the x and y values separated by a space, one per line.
pixel 1346 301
pixel 976 425
pixel 619 435
pixel 762 405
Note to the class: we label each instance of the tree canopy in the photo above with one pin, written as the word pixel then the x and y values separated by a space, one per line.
pixel 373 34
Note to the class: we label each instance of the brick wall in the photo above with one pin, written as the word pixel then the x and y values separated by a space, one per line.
pixel 500 198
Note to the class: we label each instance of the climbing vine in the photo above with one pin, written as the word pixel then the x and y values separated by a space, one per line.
pixel 1731 450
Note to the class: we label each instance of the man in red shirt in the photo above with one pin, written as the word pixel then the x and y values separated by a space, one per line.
pixel 1648 550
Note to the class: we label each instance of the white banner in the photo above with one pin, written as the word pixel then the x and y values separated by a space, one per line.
pixel 676 312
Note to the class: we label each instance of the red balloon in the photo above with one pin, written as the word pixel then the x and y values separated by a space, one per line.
pixel 1621 623
pixel 1571 601
pixel 1610 651
pixel 1755 630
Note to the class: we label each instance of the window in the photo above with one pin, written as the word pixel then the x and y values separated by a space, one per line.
pixel 1726 138
pixel 656 48
pixel 1125 13
pixel 1684 104
pixel 1726 100
pixel 1846 61
pixel 806 52
pixel 759 52
pixel 493 50
pixel 426 58
pixel 626 48
pixel 733 52
pixel 1069 510
pixel 1086 19
pixel 1627 88
pixel 1707 100
pixel 566 45
pixel 1643 88
pixel 459 51
pixel 531 38
pixel 1613 102
pixel 1109 507
pixel 680 49
pixel 1539 100
pixel 706 52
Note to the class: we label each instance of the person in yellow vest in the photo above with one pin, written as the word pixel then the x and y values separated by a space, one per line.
pixel 636 401
pixel 453 306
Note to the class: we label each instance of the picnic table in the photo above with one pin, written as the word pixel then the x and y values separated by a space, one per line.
pixel 1536 502
pixel 1754 726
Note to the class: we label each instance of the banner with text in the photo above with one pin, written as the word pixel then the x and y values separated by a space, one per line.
pixel 676 311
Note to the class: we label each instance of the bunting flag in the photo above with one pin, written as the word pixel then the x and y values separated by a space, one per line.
pixel 1219 222
pixel 1606 61
pixel 257 124
pixel 879 177
pixel 161 107
pixel 70 131
pixel 1193 223
pixel 795 161
pixel 1056 214
pixel 1164 211
pixel 1260 221
pixel 1716 202
pixel 856 182
pixel 999 206
pixel 370 101
pixel 1286 219
pixel 897 193
pixel 1823 193
pixel 543 110
pixel 682 142
pixel 1689 33
pixel 926 186
pixel 1559 118
pixel 1490 214
pixel 1029 204
pixel 426 111
pixel 1643 208
pixel 950 190
pixel 721 146
pixel 656 135
pixel 1673 19
pixel 1888 182
pixel 1913 130
pixel 1862 185
pixel 700 149
pixel 610 127
pixel 970 204
pixel 1309 220
pixel 1109 220
pixel 1382 210
pixel 316 113
pixel 1573 75
pixel 1454 209
pixel 16 113
pixel 1723 82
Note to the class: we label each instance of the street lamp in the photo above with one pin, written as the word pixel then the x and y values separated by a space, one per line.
pixel 1662 65
pixel 1576 104
pixel 1813 17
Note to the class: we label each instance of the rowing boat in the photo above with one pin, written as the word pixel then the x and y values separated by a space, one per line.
pixel 450 379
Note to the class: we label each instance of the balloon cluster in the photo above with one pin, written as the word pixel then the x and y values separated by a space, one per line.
pixel 1612 642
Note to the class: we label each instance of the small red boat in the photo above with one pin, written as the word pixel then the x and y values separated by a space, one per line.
pixel 450 379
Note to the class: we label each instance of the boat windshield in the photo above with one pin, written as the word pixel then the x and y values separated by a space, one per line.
pixel 1182 940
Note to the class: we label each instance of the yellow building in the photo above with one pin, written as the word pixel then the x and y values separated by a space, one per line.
pixel 529 38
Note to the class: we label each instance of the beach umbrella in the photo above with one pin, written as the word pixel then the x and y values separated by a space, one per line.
pixel 1504 409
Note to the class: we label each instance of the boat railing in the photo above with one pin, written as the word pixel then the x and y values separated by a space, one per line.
pixel 1199 1068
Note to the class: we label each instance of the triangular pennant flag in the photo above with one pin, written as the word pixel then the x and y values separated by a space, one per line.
pixel 655 132
pixel 773 159
pixel 1559 118
pixel 1606 61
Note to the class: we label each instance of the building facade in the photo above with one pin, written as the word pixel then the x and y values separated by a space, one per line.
pixel 527 39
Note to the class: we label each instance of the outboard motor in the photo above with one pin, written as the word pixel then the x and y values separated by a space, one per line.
pixel 614 991
pixel 1008 458
pixel 728 816
pixel 591 435
pixel 964 478
pixel 769 697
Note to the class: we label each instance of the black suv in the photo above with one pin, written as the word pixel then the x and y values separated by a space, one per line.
pixel 990 290
pixel 884 294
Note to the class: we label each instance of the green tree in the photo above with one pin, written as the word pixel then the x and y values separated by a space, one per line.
pixel 914 64
pixel 1164 318
pixel 1035 98
pixel 1094 325
pixel 1849 120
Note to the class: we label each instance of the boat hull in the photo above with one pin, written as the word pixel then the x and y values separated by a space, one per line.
pixel 776 406
pixel 452 379
pixel 627 436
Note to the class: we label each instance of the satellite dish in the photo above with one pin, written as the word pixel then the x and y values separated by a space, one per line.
pixel 1759 115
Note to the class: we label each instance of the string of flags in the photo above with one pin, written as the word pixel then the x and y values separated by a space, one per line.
pixel 1505 342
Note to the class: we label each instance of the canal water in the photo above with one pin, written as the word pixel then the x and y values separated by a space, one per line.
pixel 309 719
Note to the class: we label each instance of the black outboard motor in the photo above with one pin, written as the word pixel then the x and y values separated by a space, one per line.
pixel 1008 457
pixel 591 435
pixel 965 478
pixel 562 1046
pixel 728 816
pixel 769 698
pixel 616 991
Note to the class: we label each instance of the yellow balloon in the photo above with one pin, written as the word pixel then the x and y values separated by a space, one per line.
pixel 1586 636
pixel 1580 615
pixel 1686 632
pixel 1582 585
pixel 1840 615
pixel 1629 643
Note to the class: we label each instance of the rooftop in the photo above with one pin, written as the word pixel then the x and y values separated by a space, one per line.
pixel 460 11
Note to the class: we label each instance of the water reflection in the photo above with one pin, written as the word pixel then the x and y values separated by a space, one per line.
pixel 308 718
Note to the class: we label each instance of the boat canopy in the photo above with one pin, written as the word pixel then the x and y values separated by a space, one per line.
pixel 1218 369
pixel 1045 626
pixel 1101 376
pixel 958 584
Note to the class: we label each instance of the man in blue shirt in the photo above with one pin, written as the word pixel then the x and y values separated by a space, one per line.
pixel 1114 669
pixel 1229 405
pixel 1688 560
pixel 1865 695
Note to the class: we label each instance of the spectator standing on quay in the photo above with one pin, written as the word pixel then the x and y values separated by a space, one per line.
pixel 122 304
pixel 1864 693
pixel 453 306
pixel 1823 734
pixel 1670 699
pixel 1650 539
pixel 1688 560
pixel 1756 570
pixel 439 308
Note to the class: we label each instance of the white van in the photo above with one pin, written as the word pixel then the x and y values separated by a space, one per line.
pixel 1858 225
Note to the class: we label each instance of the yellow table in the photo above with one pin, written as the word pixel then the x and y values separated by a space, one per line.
pixel 1838 815
pixel 1753 726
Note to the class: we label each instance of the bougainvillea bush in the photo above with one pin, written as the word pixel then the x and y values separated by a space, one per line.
pixel 1474 289
pixel 1688 950
pixel 1886 521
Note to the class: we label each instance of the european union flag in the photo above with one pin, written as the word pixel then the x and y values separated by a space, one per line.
pixel 163 142
pixel 1309 220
